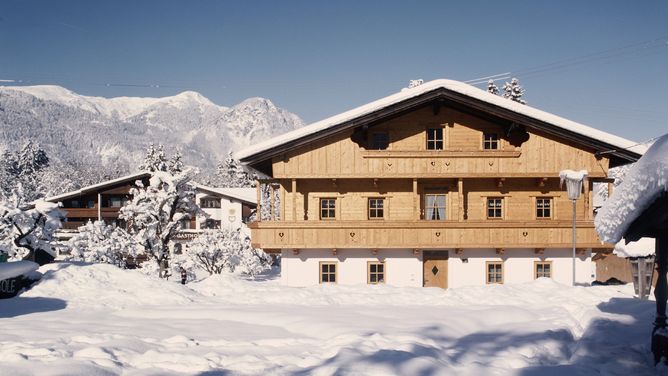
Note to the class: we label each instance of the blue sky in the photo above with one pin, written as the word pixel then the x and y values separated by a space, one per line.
pixel 318 58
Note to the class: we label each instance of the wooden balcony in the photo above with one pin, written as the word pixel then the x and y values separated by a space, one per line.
pixel 423 234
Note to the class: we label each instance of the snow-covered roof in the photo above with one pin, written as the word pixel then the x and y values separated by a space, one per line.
pixel 646 180
pixel 248 195
pixel 95 187
pixel 615 142
pixel 642 248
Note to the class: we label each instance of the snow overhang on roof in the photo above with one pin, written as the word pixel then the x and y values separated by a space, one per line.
pixel 247 195
pixel 98 186
pixel 456 92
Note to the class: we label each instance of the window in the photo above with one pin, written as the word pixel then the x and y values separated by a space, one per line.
pixel 185 224
pixel 328 272
pixel 495 207
pixel 327 208
pixel 490 141
pixel 435 139
pixel 74 203
pixel 494 272
pixel 434 206
pixel 543 207
pixel 375 272
pixel 376 208
pixel 543 269
pixel 210 203
pixel 380 141
pixel 211 224
pixel 90 203
pixel 115 202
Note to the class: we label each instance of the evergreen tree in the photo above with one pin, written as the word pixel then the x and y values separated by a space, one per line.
pixel 156 160
pixel 514 91
pixel 492 88
pixel 23 168
pixel 233 175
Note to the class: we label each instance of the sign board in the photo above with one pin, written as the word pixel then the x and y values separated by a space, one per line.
pixel 12 286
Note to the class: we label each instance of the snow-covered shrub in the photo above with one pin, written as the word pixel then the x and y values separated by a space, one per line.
pixel 492 88
pixel 155 213
pixel 101 243
pixel 514 91
pixel 226 250
pixel 25 229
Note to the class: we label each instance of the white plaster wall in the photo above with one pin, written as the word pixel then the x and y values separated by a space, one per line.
pixel 223 214
pixel 518 266
pixel 405 269
pixel 402 267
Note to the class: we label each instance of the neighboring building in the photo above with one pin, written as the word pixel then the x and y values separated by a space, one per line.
pixel 95 202
pixel 103 201
pixel 440 185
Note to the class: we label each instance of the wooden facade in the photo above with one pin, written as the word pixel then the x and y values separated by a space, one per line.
pixel 348 171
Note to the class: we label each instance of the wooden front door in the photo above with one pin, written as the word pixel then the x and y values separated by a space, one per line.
pixel 435 266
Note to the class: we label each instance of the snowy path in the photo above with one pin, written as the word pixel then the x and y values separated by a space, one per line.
pixel 98 320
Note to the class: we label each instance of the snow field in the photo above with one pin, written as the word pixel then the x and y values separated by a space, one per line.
pixel 99 320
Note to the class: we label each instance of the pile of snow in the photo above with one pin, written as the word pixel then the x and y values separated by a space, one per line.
pixel 16 268
pixel 99 320
pixel 643 184
pixel 642 248
pixel 106 286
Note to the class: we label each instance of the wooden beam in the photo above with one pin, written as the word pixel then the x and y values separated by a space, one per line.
pixel 499 182
pixel 258 188
pixel 588 212
pixel 375 183
pixel 99 206
pixel 541 182
pixel 334 183
pixel 416 200
pixel 294 199
pixel 460 193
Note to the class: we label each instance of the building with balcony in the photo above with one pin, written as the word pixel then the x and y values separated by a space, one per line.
pixel 103 201
pixel 441 185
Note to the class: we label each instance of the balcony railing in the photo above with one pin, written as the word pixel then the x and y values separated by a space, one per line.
pixel 423 234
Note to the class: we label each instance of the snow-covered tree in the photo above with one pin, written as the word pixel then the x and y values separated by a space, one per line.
pixel 25 229
pixel 233 175
pixel 23 168
pixel 492 88
pixel 226 250
pixel 155 213
pixel 101 243
pixel 514 91
pixel 156 160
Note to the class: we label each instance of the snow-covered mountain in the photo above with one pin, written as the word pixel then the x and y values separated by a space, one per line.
pixel 114 132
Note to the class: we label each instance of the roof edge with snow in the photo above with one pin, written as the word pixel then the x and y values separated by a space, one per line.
pixel 615 146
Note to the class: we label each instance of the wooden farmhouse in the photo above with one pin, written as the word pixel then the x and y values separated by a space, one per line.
pixel 103 201
pixel 441 185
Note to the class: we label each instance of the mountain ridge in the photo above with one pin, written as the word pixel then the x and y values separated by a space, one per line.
pixel 112 134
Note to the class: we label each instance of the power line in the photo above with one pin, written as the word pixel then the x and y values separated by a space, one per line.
pixel 617 52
